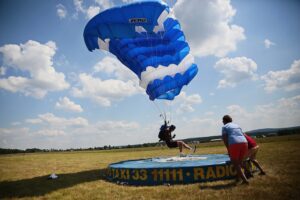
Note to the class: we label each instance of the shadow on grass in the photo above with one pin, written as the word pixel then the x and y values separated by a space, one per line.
pixel 220 186
pixel 39 186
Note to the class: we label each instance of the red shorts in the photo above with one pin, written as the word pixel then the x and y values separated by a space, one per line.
pixel 238 151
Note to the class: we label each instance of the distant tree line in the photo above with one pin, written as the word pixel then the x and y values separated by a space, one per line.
pixel 106 147
pixel 256 133
pixel 289 131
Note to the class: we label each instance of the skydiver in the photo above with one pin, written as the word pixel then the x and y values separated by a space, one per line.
pixel 165 134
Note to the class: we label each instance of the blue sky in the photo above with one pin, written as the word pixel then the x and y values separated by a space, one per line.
pixel 56 94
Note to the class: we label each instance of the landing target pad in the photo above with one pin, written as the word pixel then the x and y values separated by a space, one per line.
pixel 172 170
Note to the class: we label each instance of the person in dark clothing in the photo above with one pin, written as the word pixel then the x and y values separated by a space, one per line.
pixel 165 134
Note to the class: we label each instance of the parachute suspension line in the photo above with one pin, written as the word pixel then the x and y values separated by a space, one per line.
pixel 162 37
pixel 153 48
pixel 161 113
pixel 150 42
pixel 171 106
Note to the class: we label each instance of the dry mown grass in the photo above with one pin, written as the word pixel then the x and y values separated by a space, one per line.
pixel 25 175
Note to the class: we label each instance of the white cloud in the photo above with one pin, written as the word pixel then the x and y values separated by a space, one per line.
pixel 16 123
pixel 128 1
pixel 50 120
pixel 118 128
pixel 105 4
pixel 113 67
pixel 198 127
pixel 107 126
pixel 36 59
pixel 11 137
pixel 207 26
pixel 268 43
pixel 59 132
pixel 235 70
pixel 78 5
pixel 109 130
pixel 209 113
pixel 189 99
pixel 50 132
pixel 119 82
pixel 13 131
pixel 66 104
pixel 186 102
pixel 34 121
pixel 61 11
pixel 23 138
pixel 284 79
pixel 88 12
pixel 92 10
pixel 53 120
pixel 237 110
pixel 283 113
pixel 104 91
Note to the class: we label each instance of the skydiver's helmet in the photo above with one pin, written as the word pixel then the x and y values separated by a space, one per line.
pixel 172 127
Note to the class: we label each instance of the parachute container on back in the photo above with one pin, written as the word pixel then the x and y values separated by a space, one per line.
pixel 147 39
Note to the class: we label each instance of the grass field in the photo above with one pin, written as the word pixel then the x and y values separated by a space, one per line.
pixel 24 176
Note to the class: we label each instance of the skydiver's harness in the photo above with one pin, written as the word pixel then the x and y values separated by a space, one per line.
pixel 164 133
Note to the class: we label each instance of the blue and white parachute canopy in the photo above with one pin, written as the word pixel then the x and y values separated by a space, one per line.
pixel 146 38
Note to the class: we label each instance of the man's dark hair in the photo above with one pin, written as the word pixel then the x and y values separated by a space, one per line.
pixel 172 127
pixel 227 119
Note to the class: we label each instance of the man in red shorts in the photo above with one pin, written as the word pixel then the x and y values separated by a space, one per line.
pixel 237 146
pixel 252 151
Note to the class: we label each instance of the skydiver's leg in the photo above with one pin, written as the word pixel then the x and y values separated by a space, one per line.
pixel 180 146
pixel 183 144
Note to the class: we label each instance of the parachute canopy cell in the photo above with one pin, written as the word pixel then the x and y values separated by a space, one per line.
pixel 147 38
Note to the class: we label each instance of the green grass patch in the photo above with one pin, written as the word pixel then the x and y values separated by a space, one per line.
pixel 24 176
